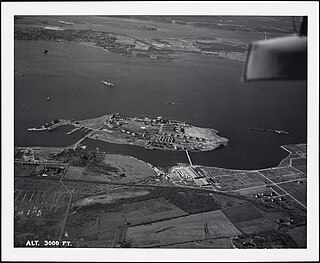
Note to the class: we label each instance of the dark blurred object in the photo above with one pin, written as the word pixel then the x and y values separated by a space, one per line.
pixel 304 26
pixel 283 58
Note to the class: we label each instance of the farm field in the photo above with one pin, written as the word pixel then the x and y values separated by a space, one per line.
pixel 229 182
pixel 189 201
pixel 208 243
pixel 242 213
pixel 94 226
pixel 248 219
pixel 92 209
pixel 103 223
pixel 254 225
pixel 280 174
pixel 40 207
pixel 189 228
pixel 149 211
pixel 23 169
pixel 298 234
pixel 298 191
pixel 300 164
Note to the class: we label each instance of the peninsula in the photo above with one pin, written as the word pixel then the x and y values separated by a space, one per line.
pixel 150 133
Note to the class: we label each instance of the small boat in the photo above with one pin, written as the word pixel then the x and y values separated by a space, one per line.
pixel 281 132
pixel 47 98
pixel 66 22
pixel 108 83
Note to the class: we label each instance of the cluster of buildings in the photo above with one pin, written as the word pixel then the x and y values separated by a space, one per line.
pixel 269 197
pixel 284 222
pixel 50 170
pixel 245 241
pixel 188 174
pixel 154 133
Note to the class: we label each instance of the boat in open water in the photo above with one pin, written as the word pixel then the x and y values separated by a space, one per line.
pixel 108 83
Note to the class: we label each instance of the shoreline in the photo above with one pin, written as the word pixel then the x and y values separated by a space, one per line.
pixel 179 164
pixel 150 133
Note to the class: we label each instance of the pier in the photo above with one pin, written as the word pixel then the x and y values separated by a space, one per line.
pixel 74 146
pixel 73 130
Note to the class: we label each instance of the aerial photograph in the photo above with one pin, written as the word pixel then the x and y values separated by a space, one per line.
pixel 160 131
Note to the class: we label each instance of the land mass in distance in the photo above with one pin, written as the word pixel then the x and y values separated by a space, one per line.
pixel 150 133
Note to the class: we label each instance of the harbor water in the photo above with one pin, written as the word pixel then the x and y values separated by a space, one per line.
pixel 207 92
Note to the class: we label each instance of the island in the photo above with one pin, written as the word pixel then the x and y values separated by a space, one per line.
pixel 151 133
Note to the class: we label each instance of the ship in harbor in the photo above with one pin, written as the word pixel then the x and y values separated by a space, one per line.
pixel 270 130
pixel 108 83
pixel 42 128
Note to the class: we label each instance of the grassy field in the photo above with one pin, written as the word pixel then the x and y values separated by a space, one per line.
pixel 45 153
pixel 109 198
pixel 299 235
pixel 149 211
pixel 116 168
pixel 255 225
pixel 183 229
pixel 200 132
pixel 251 191
pixel 23 169
pixel 93 123
pixel 190 202
pixel 227 201
pixel 133 169
pixel 242 213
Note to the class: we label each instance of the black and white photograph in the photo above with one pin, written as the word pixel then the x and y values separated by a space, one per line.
pixel 148 127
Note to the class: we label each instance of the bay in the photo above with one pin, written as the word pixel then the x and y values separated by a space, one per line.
pixel 207 90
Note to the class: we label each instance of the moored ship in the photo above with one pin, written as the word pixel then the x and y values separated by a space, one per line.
pixel 270 130
pixel 108 83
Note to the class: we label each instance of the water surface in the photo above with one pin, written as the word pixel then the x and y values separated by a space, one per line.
pixel 208 92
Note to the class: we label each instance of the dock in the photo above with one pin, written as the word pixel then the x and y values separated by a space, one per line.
pixel 74 146
pixel 75 129
pixel 189 158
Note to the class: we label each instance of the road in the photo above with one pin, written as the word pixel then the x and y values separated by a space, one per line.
pixel 273 183
pixel 189 158
pixel 64 222
pixel 74 146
